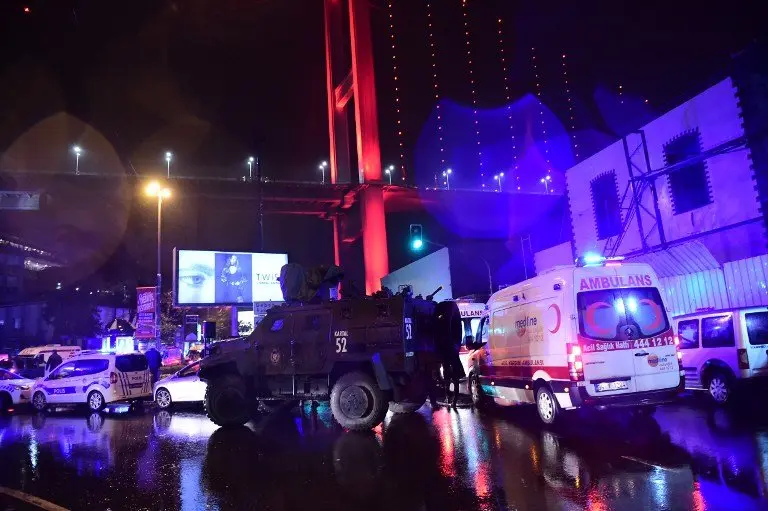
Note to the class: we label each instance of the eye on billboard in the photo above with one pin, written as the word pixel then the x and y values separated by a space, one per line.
pixel 206 277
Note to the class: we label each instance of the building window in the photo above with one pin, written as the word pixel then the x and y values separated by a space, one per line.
pixel 605 202
pixel 688 185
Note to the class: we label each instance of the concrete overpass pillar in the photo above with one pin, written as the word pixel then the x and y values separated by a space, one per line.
pixel 345 81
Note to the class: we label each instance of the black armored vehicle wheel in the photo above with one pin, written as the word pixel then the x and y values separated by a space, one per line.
pixel 357 402
pixel 226 401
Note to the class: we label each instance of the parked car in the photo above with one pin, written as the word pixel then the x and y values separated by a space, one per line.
pixel 723 349
pixel 14 390
pixel 184 386
pixel 95 379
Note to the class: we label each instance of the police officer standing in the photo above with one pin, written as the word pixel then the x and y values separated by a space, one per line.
pixel 154 360
pixel 53 362
pixel 449 332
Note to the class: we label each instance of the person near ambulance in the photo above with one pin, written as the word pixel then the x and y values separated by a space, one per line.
pixel 594 334
pixel 54 361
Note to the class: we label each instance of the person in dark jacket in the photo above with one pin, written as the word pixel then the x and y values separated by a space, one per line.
pixel 154 360
pixel 53 362
pixel 449 331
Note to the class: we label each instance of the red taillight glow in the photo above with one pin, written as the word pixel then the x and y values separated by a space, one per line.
pixel 575 365
pixel 678 352
pixel 112 378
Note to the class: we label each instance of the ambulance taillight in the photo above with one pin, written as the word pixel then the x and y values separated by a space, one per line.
pixel 678 352
pixel 575 364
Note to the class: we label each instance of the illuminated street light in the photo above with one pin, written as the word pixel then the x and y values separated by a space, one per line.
pixel 251 159
pixel 161 192
pixel 447 176
pixel 545 181
pixel 77 150
pixel 500 180
pixel 389 172
pixel 322 168
pixel 168 158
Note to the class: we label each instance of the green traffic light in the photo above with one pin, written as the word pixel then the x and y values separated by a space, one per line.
pixel 417 244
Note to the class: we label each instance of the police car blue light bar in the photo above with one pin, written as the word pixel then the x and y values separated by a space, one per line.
pixel 592 259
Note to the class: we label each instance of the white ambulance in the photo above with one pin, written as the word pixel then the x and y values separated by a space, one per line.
pixel 471 313
pixel 594 334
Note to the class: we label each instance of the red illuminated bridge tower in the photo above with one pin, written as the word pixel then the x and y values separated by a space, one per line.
pixel 349 74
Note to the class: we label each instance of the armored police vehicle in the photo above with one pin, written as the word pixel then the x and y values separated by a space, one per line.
pixel 366 355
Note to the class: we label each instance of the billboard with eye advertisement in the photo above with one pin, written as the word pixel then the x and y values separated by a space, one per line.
pixel 212 278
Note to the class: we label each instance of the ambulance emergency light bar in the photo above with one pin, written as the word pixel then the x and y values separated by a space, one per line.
pixel 592 259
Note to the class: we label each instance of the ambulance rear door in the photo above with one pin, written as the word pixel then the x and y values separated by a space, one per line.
pixel 624 333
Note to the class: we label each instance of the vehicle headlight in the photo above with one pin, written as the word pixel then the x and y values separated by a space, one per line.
pixel 25 387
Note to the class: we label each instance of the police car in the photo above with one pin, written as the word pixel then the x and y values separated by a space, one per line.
pixel 95 379
pixel 14 390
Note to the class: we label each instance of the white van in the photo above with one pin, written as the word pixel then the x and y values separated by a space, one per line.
pixel 95 379
pixel 471 313
pixel 594 334
pixel 723 348
pixel 32 360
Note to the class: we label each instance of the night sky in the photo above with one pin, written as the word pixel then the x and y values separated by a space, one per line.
pixel 218 80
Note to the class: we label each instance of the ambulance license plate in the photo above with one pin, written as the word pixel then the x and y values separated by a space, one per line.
pixel 611 385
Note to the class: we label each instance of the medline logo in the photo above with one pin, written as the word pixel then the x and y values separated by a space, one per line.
pixel 521 325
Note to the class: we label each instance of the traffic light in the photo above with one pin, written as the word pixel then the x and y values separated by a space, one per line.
pixel 416 237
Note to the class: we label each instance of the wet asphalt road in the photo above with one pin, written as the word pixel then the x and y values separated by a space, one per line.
pixel 686 456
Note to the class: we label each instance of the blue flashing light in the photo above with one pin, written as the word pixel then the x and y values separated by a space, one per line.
pixel 592 258
pixel 417 244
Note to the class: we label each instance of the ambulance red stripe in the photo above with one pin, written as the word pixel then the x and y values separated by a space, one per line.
pixel 526 371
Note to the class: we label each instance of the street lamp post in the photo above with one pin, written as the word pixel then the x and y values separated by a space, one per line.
pixel 447 176
pixel 322 167
pixel 77 150
pixel 251 159
pixel 500 180
pixel 545 181
pixel 168 158
pixel 389 172
pixel 155 189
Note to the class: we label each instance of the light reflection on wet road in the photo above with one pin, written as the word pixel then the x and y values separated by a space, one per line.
pixel 684 457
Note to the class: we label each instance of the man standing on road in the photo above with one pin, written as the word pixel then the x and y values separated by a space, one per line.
pixel 53 362
pixel 154 360
pixel 449 334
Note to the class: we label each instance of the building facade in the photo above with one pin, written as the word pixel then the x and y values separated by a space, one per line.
pixel 684 193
